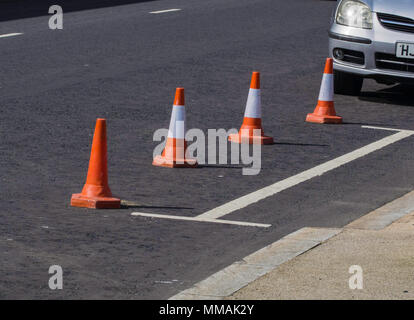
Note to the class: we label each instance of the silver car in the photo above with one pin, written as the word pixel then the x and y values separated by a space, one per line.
pixel 372 39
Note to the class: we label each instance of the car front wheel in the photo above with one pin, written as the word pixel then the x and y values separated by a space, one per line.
pixel 347 83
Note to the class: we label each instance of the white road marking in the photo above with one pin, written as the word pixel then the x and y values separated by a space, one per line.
pixel 164 11
pixel 382 128
pixel 319 170
pixel 244 201
pixel 165 216
pixel 10 35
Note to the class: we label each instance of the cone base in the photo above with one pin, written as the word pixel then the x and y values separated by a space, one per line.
pixel 79 200
pixel 311 117
pixel 161 161
pixel 236 138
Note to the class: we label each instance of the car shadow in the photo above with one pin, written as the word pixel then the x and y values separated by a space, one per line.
pixel 400 94
pixel 369 124
pixel 20 9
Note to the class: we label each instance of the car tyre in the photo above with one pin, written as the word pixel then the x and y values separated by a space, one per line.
pixel 347 83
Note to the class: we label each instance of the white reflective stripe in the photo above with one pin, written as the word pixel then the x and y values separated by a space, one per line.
pixel 253 105
pixel 327 88
pixel 177 123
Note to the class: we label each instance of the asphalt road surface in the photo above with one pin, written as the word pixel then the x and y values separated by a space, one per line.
pixel 122 63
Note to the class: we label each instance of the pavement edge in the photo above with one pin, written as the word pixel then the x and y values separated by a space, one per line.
pixel 239 274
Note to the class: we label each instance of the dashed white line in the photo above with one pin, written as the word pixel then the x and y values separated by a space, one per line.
pixel 10 35
pixel 164 11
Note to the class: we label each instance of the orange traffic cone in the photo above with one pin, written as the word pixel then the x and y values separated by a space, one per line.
pixel 174 154
pixel 96 193
pixel 252 117
pixel 325 110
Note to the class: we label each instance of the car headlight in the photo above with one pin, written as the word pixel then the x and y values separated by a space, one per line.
pixel 354 13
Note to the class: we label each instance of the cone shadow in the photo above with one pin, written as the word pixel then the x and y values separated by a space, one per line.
pixel 220 166
pixel 132 204
pixel 301 144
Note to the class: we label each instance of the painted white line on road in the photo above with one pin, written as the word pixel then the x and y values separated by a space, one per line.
pixel 382 128
pixel 239 274
pixel 256 196
pixel 319 170
pixel 164 11
pixel 10 35
pixel 165 216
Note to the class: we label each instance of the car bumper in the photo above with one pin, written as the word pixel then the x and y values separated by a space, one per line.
pixel 378 48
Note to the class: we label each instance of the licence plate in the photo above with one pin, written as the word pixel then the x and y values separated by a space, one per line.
pixel 405 50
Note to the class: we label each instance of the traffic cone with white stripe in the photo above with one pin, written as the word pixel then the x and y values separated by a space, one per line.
pixel 252 122
pixel 174 153
pixel 325 110
pixel 96 193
